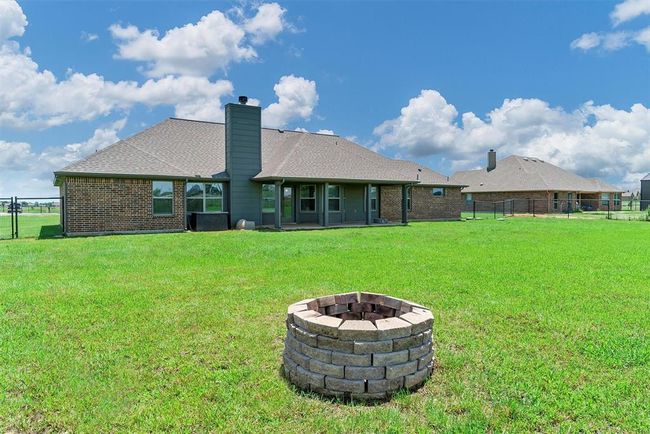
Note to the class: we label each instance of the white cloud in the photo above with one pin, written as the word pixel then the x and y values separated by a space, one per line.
pixel 29 173
pixel 199 49
pixel 328 132
pixel 612 41
pixel 34 98
pixel 266 24
pixel 89 37
pixel 12 20
pixel 297 98
pixel 595 140
pixel 586 41
pixel 643 38
pixel 628 10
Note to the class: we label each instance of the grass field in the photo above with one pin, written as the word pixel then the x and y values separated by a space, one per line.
pixel 541 325
pixel 31 226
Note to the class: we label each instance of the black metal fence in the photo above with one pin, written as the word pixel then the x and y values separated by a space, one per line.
pixel 631 210
pixel 31 217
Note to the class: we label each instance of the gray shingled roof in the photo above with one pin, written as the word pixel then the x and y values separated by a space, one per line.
pixel 517 173
pixel 182 148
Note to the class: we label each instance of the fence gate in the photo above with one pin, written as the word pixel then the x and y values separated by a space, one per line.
pixel 6 218
pixel 31 217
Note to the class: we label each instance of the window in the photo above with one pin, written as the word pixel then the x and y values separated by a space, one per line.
pixel 555 200
pixel 409 190
pixel 307 198
pixel 268 197
pixel 604 199
pixel 438 191
pixel 468 197
pixel 163 197
pixel 373 198
pixel 617 199
pixel 334 198
pixel 204 197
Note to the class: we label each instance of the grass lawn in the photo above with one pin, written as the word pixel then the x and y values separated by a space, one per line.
pixel 541 325
pixel 31 226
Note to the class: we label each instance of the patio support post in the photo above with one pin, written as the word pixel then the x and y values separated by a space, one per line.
pixel 326 205
pixel 278 204
pixel 405 216
pixel 368 205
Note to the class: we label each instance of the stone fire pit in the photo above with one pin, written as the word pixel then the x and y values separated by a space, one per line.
pixel 358 345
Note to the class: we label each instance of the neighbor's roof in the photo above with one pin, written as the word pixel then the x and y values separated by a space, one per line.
pixel 517 173
pixel 646 178
pixel 180 148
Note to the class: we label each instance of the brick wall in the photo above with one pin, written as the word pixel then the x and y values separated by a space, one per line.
pixel 424 205
pixel 100 205
pixel 390 202
pixel 524 201
pixel 541 200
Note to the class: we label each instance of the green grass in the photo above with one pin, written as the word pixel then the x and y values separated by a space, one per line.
pixel 541 325
pixel 31 226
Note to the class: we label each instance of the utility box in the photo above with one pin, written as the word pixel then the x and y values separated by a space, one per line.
pixel 208 221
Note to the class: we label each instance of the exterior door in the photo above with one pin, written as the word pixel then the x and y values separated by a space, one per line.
pixel 355 210
pixel 288 213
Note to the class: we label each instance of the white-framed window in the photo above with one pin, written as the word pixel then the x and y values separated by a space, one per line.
pixel 468 197
pixel 556 201
pixel 604 199
pixel 162 194
pixel 268 197
pixel 373 198
pixel 617 199
pixel 438 191
pixel 308 198
pixel 334 197
pixel 204 197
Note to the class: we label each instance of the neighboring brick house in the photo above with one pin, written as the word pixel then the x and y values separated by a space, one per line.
pixel 182 173
pixel 532 185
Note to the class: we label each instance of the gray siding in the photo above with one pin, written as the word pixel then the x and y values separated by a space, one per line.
pixel 645 194
pixel 243 161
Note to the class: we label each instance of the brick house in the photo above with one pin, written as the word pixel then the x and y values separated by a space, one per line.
pixel 534 185
pixel 183 174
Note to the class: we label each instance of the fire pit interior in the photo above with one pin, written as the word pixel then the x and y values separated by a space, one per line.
pixel 358 345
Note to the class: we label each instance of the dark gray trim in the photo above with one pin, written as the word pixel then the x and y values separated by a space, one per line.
pixel 326 204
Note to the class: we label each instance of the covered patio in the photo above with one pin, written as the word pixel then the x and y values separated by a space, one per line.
pixel 307 204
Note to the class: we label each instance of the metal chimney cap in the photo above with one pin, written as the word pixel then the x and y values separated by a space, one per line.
pixel 243 99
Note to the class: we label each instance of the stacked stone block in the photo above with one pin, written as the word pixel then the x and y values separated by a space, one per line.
pixel 358 345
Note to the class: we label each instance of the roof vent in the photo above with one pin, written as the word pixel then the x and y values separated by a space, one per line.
pixel 280 131
pixel 243 99
pixel 525 158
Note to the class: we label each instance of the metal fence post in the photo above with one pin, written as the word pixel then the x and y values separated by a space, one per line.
pixel 608 214
pixel 11 215
pixel 495 210
pixel 16 213
pixel 474 209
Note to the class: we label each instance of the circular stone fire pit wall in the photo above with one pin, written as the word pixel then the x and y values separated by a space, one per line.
pixel 358 345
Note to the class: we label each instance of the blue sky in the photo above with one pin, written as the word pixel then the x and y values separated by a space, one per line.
pixel 437 82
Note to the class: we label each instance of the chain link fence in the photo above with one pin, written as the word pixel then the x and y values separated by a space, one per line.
pixel 631 210
pixel 31 217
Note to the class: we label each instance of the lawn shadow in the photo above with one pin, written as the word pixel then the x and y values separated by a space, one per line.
pixel 50 231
